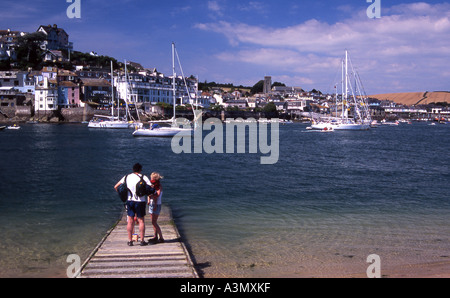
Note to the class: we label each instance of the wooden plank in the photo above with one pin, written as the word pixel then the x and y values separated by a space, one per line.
pixel 113 258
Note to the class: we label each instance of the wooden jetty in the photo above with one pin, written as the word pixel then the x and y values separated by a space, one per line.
pixel 113 258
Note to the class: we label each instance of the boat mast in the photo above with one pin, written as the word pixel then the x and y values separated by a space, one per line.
pixel 342 89
pixel 118 98
pixel 112 93
pixel 336 100
pixel 173 80
pixel 126 91
pixel 346 80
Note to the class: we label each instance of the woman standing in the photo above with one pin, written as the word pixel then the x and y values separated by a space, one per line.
pixel 154 209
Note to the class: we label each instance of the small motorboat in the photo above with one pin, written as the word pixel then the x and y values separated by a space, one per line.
pixel 15 126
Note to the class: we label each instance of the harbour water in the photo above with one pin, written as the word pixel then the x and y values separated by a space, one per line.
pixel 331 200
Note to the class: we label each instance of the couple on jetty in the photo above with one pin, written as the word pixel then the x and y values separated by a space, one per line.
pixel 136 205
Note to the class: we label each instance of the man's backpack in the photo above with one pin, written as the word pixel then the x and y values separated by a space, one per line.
pixel 142 189
pixel 123 190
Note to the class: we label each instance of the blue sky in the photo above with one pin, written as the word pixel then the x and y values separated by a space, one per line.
pixel 299 43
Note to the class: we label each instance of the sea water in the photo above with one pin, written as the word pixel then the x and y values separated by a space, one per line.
pixel 331 200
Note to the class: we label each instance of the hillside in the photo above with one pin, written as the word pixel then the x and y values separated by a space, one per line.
pixel 412 98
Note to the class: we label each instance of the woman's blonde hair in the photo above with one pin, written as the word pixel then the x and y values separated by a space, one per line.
pixel 156 176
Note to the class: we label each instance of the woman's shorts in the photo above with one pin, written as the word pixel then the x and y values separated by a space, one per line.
pixel 154 209
pixel 136 209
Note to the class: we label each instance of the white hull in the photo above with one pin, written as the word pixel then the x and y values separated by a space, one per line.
pixel 340 126
pixel 114 124
pixel 390 123
pixel 352 127
pixel 108 124
pixel 163 132
pixel 322 126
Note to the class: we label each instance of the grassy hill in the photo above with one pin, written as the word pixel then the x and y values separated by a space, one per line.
pixel 412 98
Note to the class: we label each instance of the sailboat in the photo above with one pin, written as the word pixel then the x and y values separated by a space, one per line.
pixel 357 104
pixel 169 128
pixel 113 122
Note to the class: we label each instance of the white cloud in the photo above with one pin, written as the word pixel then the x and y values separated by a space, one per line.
pixel 254 7
pixel 407 39
pixel 180 10
pixel 215 7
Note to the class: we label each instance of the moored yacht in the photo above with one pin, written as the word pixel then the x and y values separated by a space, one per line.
pixel 350 103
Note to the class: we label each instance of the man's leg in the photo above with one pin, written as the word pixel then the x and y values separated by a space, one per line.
pixel 141 215
pixel 130 221
pixel 130 227
pixel 141 227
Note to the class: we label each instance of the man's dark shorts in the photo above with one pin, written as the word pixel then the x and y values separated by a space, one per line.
pixel 136 208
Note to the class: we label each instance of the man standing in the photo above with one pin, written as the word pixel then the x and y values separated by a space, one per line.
pixel 135 205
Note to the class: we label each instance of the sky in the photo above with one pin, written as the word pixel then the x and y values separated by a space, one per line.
pixel 299 43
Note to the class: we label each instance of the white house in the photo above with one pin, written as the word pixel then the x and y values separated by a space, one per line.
pixel 153 88
pixel 46 94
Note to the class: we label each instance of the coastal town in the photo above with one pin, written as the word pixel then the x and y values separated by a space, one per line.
pixel 43 79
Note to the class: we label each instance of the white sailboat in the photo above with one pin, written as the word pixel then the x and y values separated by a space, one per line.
pixel 132 123
pixel 103 121
pixel 356 103
pixel 113 122
pixel 168 128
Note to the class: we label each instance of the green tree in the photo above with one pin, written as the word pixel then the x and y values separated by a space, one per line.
pixel 29 51
pixel 270 108
pixel 278 84
pixel 257 88
pixel 216 107
pixel 97 61
pixel 5 64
